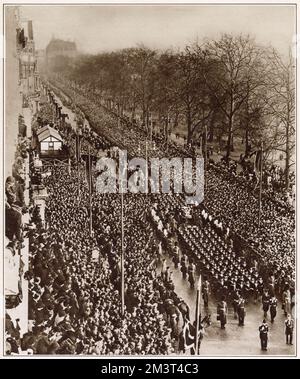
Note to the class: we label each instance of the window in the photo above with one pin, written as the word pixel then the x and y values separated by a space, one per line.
pixel 51 145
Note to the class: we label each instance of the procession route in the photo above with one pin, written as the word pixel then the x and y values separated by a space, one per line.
pixel 235 340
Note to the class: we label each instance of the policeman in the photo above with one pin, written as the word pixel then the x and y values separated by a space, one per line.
pixel 289 328
pixel 263 335
pixel 241 311
pixel 273 308
pixel 222 311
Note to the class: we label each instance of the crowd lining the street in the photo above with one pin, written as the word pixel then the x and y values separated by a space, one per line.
pixel 74 298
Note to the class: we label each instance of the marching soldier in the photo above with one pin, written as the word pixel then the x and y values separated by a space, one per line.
pixel 167 276
pixel 163 269
pixel 289 329
pixel 263 335
pixel 241 311
pixel 183 263
pixel 222 311
pixel 205 292
pixel 236 297
pixel 176 259
pixel 192 272
pixel 286 300
pixel 265 303
pixel 273 308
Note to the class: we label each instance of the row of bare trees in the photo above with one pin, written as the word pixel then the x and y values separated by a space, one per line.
pixel 232 87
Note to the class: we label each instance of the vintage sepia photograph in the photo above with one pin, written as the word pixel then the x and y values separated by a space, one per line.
pixel 149 180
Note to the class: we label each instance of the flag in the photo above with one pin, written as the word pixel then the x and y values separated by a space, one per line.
pixel 188 335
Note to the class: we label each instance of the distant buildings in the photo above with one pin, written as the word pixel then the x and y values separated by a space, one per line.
pixel 58 51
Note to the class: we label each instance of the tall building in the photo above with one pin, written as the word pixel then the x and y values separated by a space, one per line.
pixel 13 93
pixel 27 58
pixel 57 50
pixel 21 76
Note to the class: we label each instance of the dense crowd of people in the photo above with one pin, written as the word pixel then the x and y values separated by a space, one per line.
pixel 226 198
pixel 74 305
pixel 75 276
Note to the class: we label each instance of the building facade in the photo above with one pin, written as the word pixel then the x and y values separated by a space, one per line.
pixel 57 50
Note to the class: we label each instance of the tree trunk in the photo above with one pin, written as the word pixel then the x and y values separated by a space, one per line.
pixel 147 121
pixel 144 115
pixel 247 142
pixel 229 139
pixel 176 120
pixel 211 127
pixel 166 129
pixel 133 113
pixel 189 130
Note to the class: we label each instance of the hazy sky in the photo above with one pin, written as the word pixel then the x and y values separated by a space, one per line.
pixel 99 28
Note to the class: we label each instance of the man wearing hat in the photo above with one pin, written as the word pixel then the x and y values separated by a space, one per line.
pixel 183 264
pixel 205 291
pixel 265 303
pixel 289 328
pixel 241 310
pixel 222 311
pixel 192 272
pixel 263 335
pixel 273 308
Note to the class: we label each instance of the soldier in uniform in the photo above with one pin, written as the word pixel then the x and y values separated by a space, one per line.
pixel 167 275
pixel 183 263
pixel 271 284
pixel 192 272
pixel 265 303
pixel 176 259
pixel 286 300
pixel 205 292
pixel 273 308
pixel 263 335
pixel 235 301
pixel 222 311
pixel 241 311
pixel 163 269
pixel 289 329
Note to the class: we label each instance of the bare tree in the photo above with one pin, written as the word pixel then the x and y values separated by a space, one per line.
pixel 282 107
pixel 192 92
pixel 235 71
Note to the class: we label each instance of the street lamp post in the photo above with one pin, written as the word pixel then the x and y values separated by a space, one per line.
pixel 122 254
pixel 90 191
pixel 78 135
pixel 260 184
pixel 198 315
